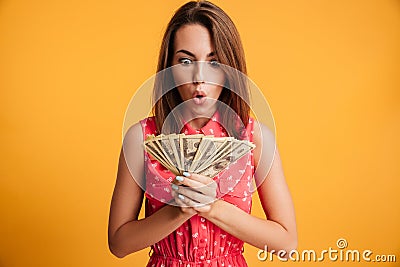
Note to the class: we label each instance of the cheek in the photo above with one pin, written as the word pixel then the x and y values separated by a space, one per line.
pixel 217 77
pixel 216 92
pixel 184 92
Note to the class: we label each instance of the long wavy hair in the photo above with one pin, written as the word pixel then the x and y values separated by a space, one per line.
pixel 229 51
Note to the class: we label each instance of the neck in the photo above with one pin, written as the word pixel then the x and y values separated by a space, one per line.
pixel 198 123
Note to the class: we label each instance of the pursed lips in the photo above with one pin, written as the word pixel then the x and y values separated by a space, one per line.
pixel 199 97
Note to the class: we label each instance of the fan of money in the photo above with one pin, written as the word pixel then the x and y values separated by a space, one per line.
pixel 202 154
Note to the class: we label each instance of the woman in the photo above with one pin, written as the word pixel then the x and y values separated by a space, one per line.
pixel 206 223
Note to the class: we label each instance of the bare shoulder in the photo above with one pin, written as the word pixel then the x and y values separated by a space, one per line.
pixel 264 152
pixel 134 133
pixel 132 153
pixel 263 137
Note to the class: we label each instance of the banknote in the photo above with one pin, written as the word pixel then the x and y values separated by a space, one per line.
pixel 209 149
pixel 189 145
pixel 238 150
pixel 203 154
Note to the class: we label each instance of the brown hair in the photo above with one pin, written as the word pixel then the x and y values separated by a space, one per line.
pixel 229 51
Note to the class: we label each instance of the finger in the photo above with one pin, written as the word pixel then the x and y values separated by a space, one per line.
pixel 180 203
pixel 178 200
pixel 185 208
pixel 195 181
pixel 195 196
pixel 187 191
pixel 198 177
pixel 193 184
pixel 188 202
pixel 206 190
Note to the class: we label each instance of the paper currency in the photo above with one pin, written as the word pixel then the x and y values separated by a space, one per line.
pixel 203 154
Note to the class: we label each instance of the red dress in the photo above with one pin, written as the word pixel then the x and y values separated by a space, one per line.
pixel 199 242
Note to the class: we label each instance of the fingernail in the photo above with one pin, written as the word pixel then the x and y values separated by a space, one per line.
pixel 181 197
pixel 179 178
pixel 186 174
pixel 174 186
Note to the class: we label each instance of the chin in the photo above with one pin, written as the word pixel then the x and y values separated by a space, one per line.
pixel 203 111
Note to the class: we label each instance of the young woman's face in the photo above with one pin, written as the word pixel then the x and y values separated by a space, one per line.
pixel 196 69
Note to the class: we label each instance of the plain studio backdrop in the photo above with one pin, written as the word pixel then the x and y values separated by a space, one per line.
pixel 68 69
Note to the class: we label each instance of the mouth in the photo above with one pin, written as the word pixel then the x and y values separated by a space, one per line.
pixel 199 97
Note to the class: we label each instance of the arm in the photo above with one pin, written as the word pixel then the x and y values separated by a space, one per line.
pixel 127 234
pixel 278 232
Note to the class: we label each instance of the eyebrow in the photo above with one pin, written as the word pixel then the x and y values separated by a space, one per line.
pixel 192 55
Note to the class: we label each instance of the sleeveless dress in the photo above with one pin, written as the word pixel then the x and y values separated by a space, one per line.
pixel 199 242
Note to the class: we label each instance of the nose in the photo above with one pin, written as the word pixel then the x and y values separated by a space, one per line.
pixel 198 76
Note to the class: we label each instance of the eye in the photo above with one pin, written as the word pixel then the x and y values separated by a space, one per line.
pixel 214 63
pixel 185 61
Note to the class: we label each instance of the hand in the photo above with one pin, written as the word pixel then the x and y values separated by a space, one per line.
pixel 194 192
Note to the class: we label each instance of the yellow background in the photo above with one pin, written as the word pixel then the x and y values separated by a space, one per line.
pixel 68 69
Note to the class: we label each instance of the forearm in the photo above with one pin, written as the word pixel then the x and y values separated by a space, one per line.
pixel 138 234
pixel 255 231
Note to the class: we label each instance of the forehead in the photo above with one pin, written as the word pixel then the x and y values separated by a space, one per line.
pixel 194 38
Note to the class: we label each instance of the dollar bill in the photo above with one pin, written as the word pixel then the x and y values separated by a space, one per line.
pixel 206 155
pixel 167 148
pixel 239 149
pixel 208 149
pixel 188 146
pixel 175 144
pixel 155 152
